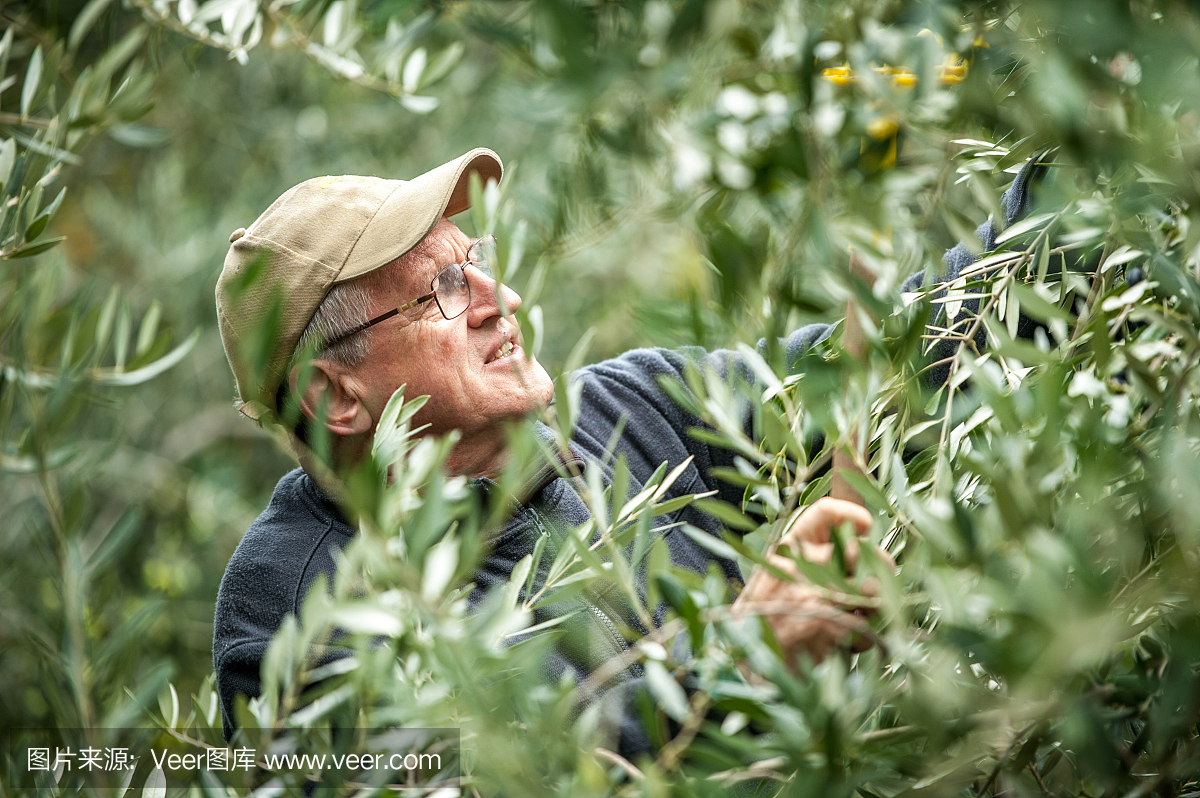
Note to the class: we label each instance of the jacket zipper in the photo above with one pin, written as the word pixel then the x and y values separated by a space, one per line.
pixel 617 638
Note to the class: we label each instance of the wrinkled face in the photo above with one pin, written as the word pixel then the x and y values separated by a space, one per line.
pixel 465 365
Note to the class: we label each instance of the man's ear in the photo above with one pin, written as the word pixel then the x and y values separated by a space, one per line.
pixel 330 396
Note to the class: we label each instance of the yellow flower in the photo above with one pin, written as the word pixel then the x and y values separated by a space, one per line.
pixel 904 77
pixel 952 70
pixel 928 32
pixel 839 76
pixel 881 127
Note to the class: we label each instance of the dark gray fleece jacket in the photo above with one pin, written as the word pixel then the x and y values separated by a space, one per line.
pixel 295 538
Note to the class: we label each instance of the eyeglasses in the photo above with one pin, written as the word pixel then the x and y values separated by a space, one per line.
pixel 449 289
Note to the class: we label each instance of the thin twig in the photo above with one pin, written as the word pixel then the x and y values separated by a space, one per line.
pixel 1008 752
pixel 322 55
pixel 24 121
pixel 939 362
pixel 671 753
pixel 1099 278
pixel 621 762
pixel 198 33
pixel 883 734
pixel 1038 778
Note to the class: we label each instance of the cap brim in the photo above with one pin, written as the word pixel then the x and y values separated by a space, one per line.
pixel 414 208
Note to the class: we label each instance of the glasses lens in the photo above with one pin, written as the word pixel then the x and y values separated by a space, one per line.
pixel 483 255
pixel 451 291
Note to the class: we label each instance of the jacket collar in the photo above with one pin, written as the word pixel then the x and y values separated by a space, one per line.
pixel 567 464
pixel 551 463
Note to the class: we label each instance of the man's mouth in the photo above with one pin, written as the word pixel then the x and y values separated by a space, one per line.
pixel 504 350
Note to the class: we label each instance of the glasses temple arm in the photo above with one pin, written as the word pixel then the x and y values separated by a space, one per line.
pixel 381 317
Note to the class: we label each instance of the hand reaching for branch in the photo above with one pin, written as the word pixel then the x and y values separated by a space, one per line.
pixel 807 618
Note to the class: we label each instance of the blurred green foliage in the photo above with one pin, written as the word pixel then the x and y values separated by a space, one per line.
pixel 684 172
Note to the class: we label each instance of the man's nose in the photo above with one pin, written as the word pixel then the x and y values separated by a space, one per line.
pixel 488 297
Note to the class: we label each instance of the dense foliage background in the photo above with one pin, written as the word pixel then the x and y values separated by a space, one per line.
pixel 684 172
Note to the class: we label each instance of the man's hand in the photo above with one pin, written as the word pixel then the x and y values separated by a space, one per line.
pixel 804 617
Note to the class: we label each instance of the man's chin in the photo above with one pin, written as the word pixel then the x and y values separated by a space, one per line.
pixel 532 382
pixel 541 387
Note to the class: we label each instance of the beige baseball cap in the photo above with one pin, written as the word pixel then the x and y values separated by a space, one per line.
pixel 322 232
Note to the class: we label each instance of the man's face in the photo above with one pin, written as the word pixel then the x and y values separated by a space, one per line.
pixel 453 361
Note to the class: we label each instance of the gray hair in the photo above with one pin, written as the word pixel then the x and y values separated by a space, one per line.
pixel 343 308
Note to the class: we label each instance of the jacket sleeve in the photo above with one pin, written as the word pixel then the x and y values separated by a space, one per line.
pixel 1015 202
pixel 276 563
pixel 658 429
pixel 627 390
pixel 237 672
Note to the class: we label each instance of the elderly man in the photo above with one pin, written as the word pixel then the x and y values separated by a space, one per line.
pixel 371 279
